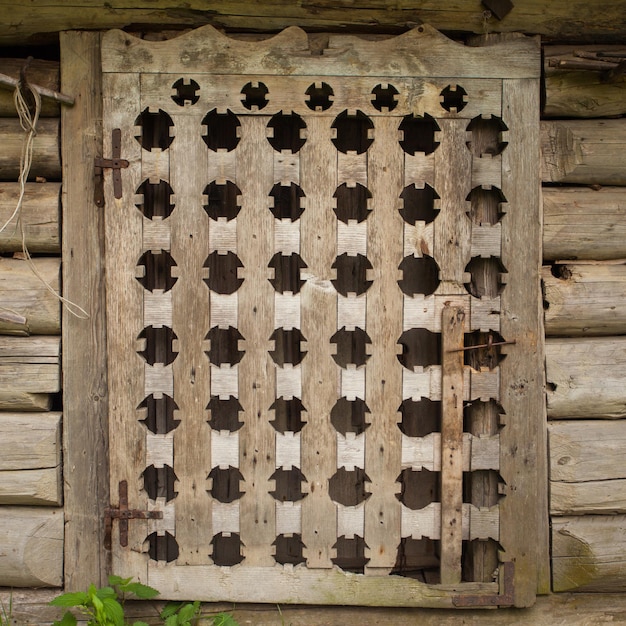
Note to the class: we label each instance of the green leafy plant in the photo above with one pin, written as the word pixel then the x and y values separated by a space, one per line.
pixel 104 606
pixel 6 612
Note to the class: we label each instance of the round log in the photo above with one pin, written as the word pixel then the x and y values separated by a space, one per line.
pixel 40 73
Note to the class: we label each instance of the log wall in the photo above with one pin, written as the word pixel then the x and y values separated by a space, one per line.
pixel 584 286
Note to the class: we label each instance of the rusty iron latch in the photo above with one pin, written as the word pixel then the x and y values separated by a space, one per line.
pixel 122 513
pixel 499 599
pixel 116 163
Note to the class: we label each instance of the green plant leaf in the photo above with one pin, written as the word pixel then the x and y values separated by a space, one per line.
pixel 67 620
pixel 114 611
pixel 143 592
pixel 106 592
pixel 188 612
pixel 77 598
pixel 225 619
pixel 139 623
pixel 172 620
pixel 118 580
pixel 170 609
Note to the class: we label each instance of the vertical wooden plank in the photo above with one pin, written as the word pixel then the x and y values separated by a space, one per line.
pixel 320 374
pixel 453 171
pixel 257 375
pixel 452 328
pixel 190 322
pixel 85 400
pixel 124 297
pixel 384 326
pixel 523 454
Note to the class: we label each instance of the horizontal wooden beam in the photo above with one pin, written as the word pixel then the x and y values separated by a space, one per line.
pixel 30 440
pixel 584 151
pixel 12 400
pixel 41 73
pixel 31 546
pixel 582 92
pixel 39 216
pixel 584 299
pixel 585 377
pixel 30 364
pixel 603 497
pixel 589 553
pixel 583 223
pixel 561 19
pixel 28 306
pixel 36 487
pixel 46 156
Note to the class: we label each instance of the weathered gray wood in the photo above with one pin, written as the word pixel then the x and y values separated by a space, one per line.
pixel 584 223
pixel 27 307
pixel 422 51
pixel 561 19
pixel 581 93
pixel 39 217
pixel 46 156
pixel 31 546
pixel 13 400
pixel 30 364
pixel 84 341
pixel 37 487
pixel 584 299
pixel 589 553
pixel 587 450
pixel 585 377
pixel 30 440
pixel 584 151
pixel 603 497
pixel 40 73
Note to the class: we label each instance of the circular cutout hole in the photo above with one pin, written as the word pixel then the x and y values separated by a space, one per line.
pixel 224 346
pixel 162 547
pixel 285 132
pixel 486 279
pixel 222 130
pixel 348 416
pixel 353 132
pixel 156 199
pixel 159 342
pixel 319 96
pixel 288 485
pixel 420 348
pixel 351 347
pixel 418 488
pixel 289 549
pixel 288 415
pixel 352 202
pixel 351 274
pixel 347 487
pixel 485 205
pixel 287 346
pixel 154 130
pixel 418 134
pixel 157 273
pixel 420 417
pixel 384 98
pixel 486 135
pixel 351 554
pixel 226 483
pixel 158 482
pixel 224 413
pixel 226 549
pixel 186 92
pixel 419 204
pixel 489 355
pixel 223 272
pixel 254 96
pixel 222 200
pixel 419 275
pixel 287 204
pixel 287 272
pixel 453 98
pixel 159 414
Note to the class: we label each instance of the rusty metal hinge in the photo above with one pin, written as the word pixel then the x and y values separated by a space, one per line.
pixel 122 513
pixel 500 599
pixel 116 163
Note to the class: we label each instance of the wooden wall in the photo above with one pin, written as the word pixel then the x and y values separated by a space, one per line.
pixel 584 198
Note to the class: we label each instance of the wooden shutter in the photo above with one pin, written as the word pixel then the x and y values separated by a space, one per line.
pixel 303 250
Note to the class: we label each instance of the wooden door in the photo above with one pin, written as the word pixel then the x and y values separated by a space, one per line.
pixel 304 248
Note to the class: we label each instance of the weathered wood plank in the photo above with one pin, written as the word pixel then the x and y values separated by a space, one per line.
pixel 584 151
pixel 422 51
pixel 584 299
pixel 46 155
pixel 41 73
pixel 589 553
pixel 39 216
pixel 585 377
pixel 603 497
pixel 37 487
pixel 28 307
pixel 583 223
pixel 30 440
pixel 12 400
pixel 31 546
pixel 30 364
pixel 581 93
pixel 561 20
pixel 523 453
pixel 84 341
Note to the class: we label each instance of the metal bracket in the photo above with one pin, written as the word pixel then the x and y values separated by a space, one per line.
pixel 115 163
pixel 501 599
pixel 122 513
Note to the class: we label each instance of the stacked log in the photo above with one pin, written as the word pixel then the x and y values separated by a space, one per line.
pixel 31 492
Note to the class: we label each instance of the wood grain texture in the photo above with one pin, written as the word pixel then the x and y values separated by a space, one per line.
pixel 28 307
pixel 583 223
pixel 585 377
pixel 30 364
pixel 572 21
pixel 36 487
pixel 31 546
pixel 13 400
pixel 584 299
pixel 584 151
pixel 39 217
pixel 41 73
pixel 422 51
pixel 46 154
pixel 588 553
pixel 603 497
pixel 523 452
pixel 84 341
pixel 33 440
pixel 580 93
